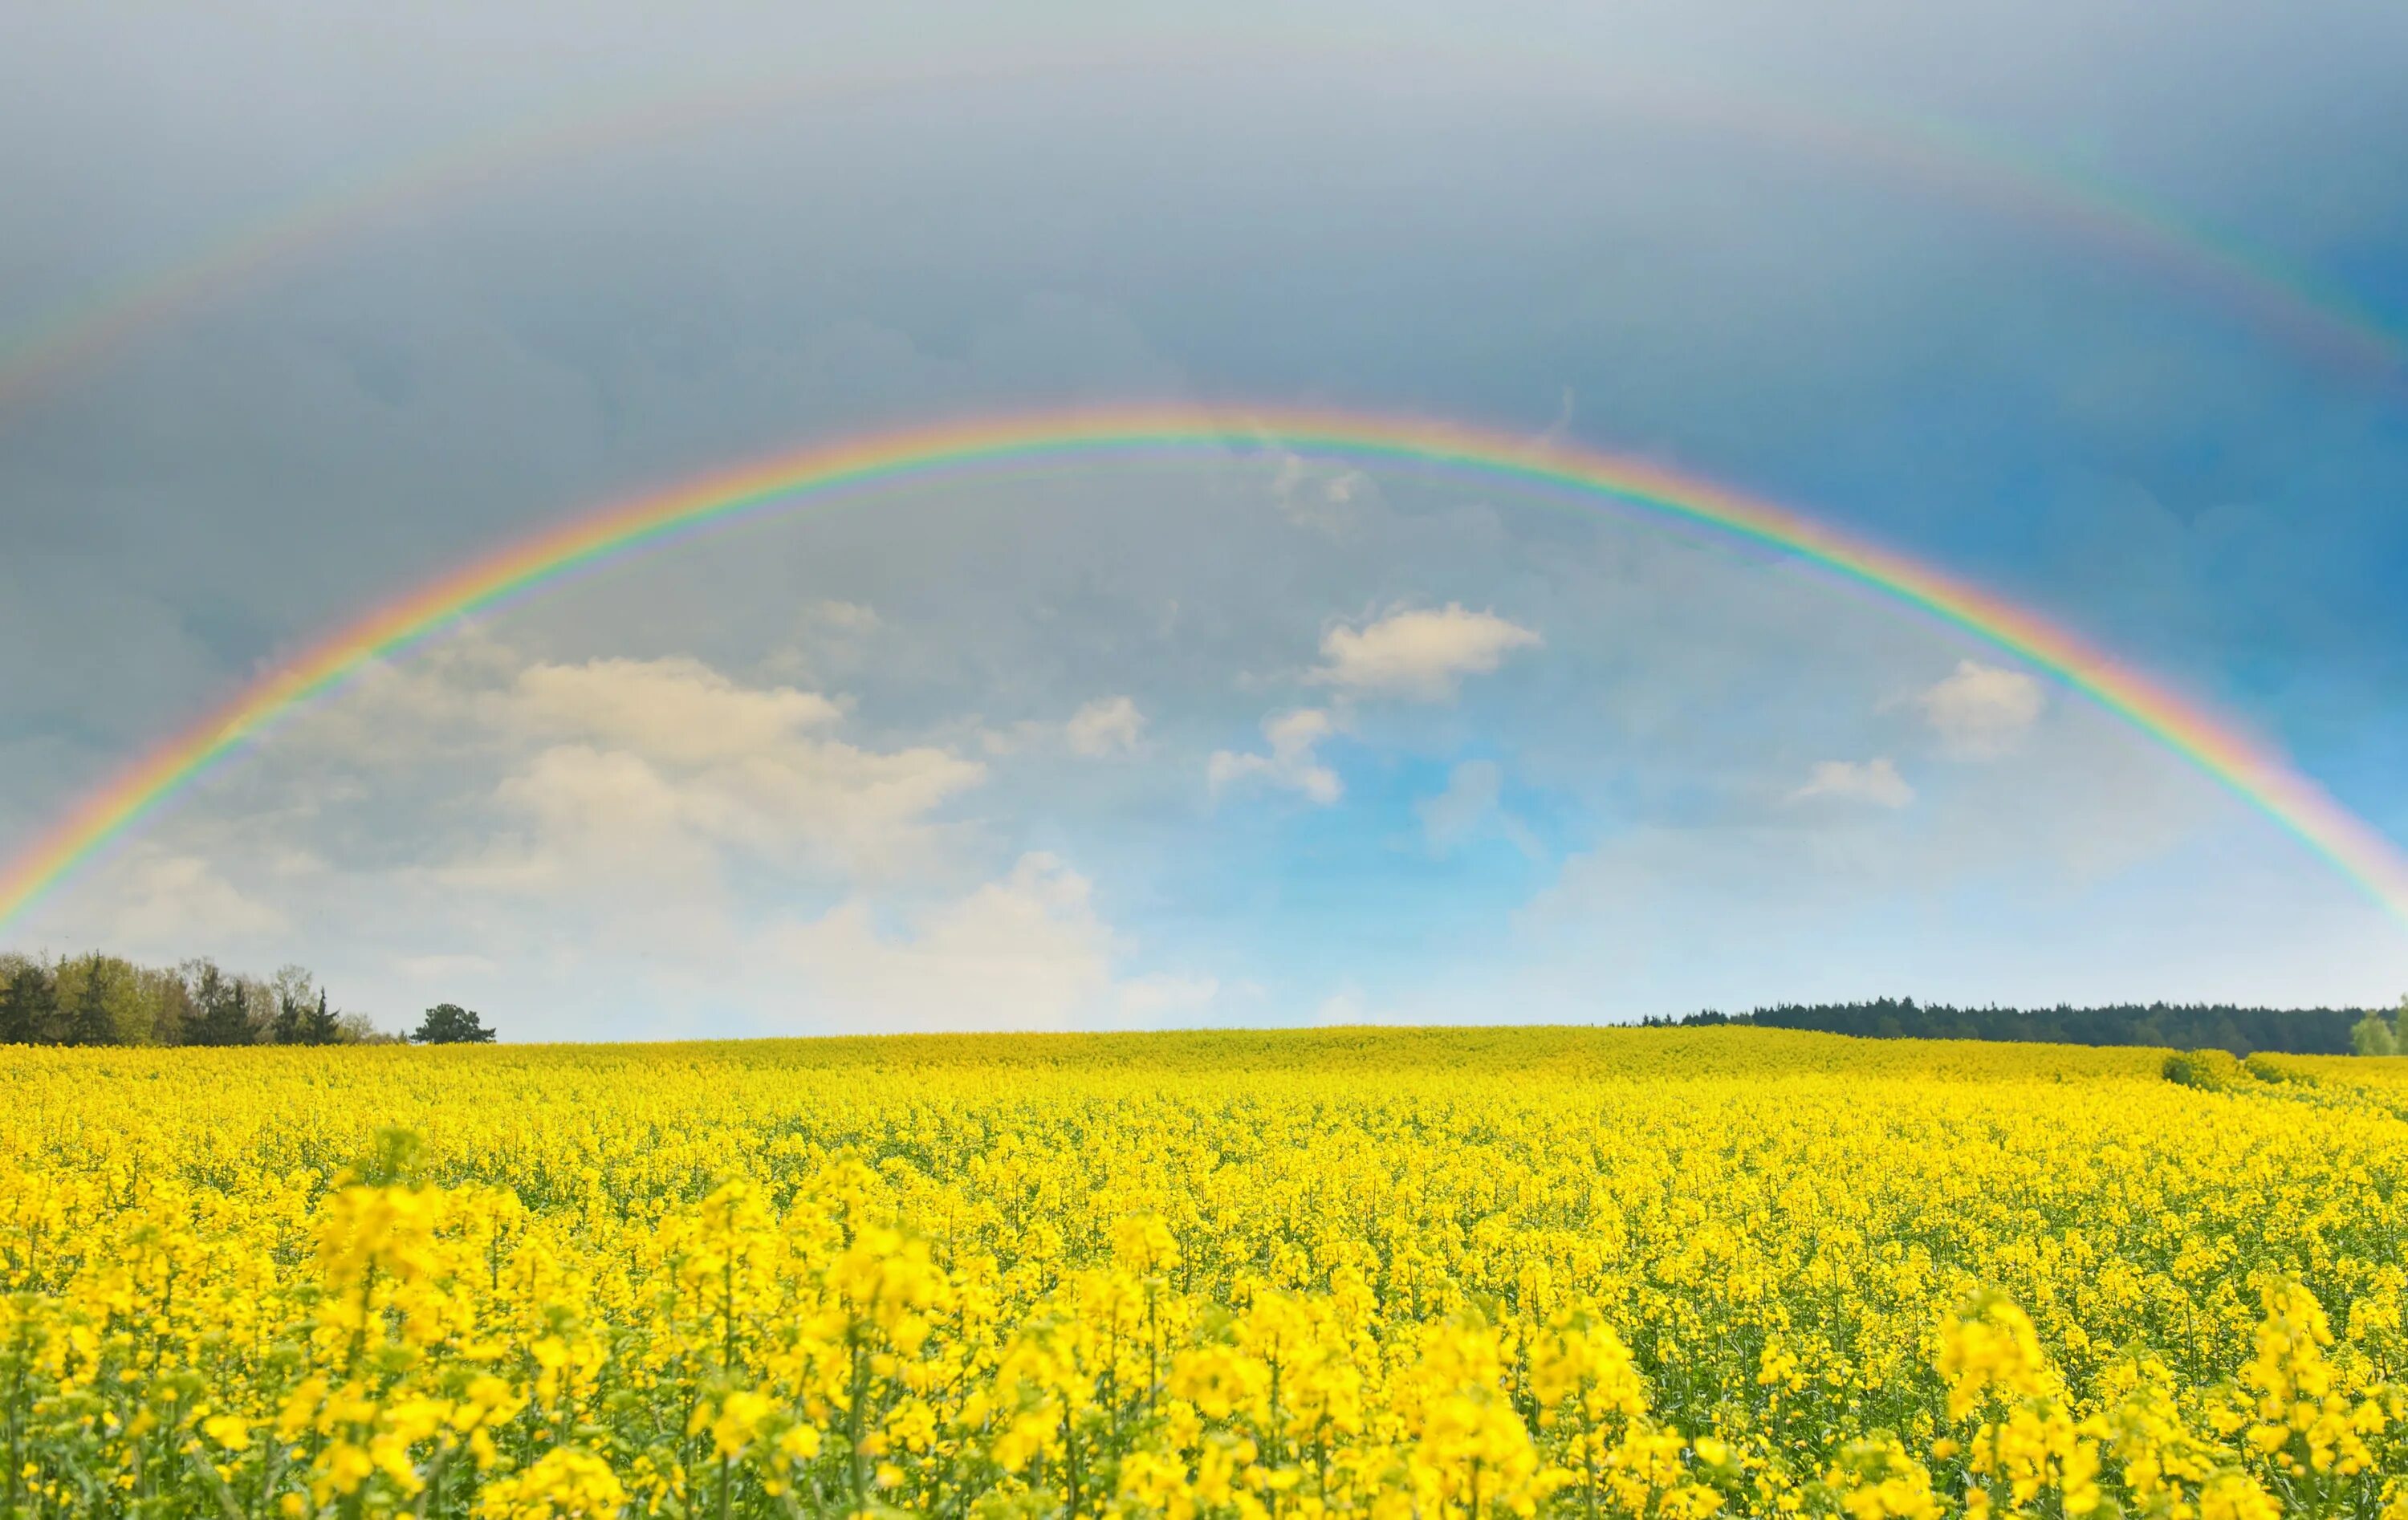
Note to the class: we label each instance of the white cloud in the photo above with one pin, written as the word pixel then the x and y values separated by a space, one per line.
pixel 597 821
pixel 848 617
pixel 1328 499
pixel 1025 951
pixel 674 710
pixel 1422 655
pixel 1980 711
pixel 1109 726
pixel 1660 919
pixel 834 629
pixel 178 904
pixel 399 714
pixel 1106 728
pixel 1875 780
pixel 657 768
pixel 1470 807
pixel 1449 817
pixel 1292 762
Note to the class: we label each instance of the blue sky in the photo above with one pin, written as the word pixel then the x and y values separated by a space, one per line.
pixel 1270 740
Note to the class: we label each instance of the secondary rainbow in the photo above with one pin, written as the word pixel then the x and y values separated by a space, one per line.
pixel 1081 440
pixel 2324 324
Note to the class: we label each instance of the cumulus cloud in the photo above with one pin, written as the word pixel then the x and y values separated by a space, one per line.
pixel 1109 728
pixel 1980 711
pixel 176 901
pixel 674 710
pixel 1106 726
pixel 1875 780
pixel 1418 654
pixel 1293 761
pixel 660 767
pixel 1025 951
pixel 595 820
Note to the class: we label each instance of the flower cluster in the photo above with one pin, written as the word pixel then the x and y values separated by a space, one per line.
pixel 1411 1275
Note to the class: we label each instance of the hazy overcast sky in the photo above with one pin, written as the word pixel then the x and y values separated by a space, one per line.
pixel 2087 305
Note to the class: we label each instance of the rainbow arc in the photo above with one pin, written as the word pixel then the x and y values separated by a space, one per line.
pixel 1953 163
pixel 826 475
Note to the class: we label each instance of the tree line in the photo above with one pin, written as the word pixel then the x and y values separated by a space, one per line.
pixel 101 1000
pixel 2244 1031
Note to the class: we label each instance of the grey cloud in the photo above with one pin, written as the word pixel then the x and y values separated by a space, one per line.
pixel 1460 230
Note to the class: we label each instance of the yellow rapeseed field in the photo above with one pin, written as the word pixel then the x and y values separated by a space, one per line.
pixel 1400 1274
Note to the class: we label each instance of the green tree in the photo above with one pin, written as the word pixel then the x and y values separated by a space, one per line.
pixel 219 1012
pixel 165 1006
pixel 290 1023
pixel 91 1011
pixel 449 1023
pixel 359 1029
pixel 258 1006
pixel 2376 1035
pixel 29 1006
pixel 322 1026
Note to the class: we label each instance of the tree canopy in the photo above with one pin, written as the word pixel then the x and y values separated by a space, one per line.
pixel 2243 1031
pixel 449 1023
pixel 102 999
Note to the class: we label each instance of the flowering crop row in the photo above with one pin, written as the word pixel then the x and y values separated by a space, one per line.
pixel 1411 1274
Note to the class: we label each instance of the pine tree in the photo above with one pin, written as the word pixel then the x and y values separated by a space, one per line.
pixel 291 986
pixel 89 1021
pixel 29 1008
pixel 322 1027
pixel 220 1017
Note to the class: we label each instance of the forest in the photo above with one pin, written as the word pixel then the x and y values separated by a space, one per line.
pixel 102 999
pixel 2244 1031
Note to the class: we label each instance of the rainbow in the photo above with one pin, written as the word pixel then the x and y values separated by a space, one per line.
pixel 2323 324
pixel 1080 439
pixel 83 330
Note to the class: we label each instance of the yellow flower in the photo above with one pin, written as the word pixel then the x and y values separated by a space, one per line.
pixel 1390 1275
pixel 563 1483
pixel 231 1431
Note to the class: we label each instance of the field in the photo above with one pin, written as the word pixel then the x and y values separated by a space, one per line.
pixel 1407 1273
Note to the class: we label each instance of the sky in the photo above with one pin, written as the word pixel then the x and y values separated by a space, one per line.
pixel 302 306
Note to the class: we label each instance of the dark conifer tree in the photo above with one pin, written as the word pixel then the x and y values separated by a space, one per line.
pixel 220 1017
pixel 292 1025
pixel 318 1027
pixel 88 1022
pixel 29 1006
pixel 2244 1031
